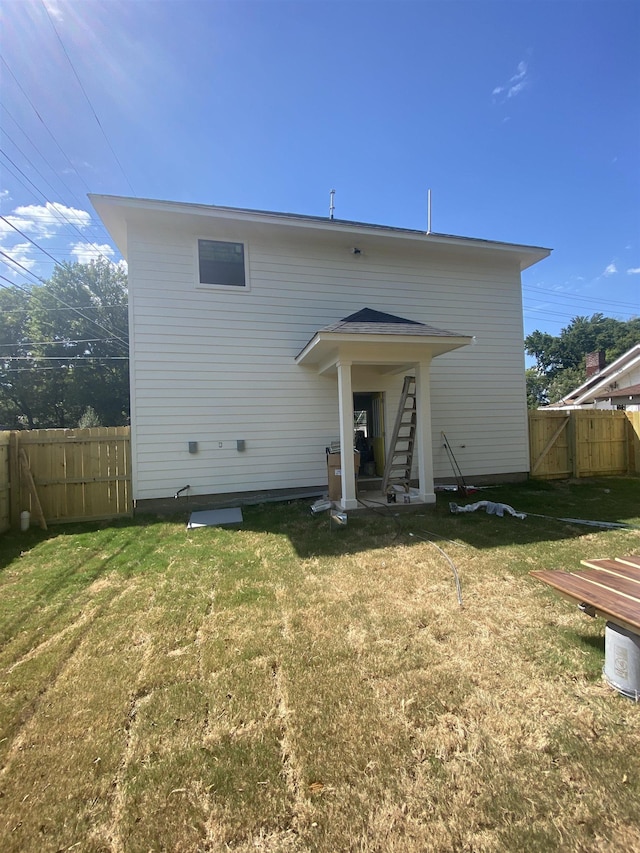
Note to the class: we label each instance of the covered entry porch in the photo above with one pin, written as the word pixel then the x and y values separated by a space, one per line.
pixel 386 344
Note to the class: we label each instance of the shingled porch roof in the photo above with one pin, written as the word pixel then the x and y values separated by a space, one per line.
pixel 375 337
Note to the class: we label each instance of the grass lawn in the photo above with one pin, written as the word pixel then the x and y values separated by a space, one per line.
pixel 281 687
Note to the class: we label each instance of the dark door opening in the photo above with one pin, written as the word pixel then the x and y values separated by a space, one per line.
pixel 368 426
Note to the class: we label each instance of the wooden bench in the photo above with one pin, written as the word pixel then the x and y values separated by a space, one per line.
pixel 607 588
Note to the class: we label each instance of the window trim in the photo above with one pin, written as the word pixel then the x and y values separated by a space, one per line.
pixel 227 288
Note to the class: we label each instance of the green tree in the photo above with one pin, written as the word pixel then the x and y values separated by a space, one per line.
pixel 67 348
pixel 560 360
pixel 536 388
pixel 89 418
pixel 18 380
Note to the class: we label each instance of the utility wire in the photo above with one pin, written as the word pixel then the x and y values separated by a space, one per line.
pixel 66 304
pixel 13 283
pixel 55 260
pixel 91 107
pixel 44 124
pixel 39 369
pixel 569 314
pixel 11 260
pixel 54 208
pixel 69 358
pixel 67 188
pixel 26 237
pixel 574 297
pixel 68 342
pixel 96 224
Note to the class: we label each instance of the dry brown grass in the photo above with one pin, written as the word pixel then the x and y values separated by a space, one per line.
pixel 279 689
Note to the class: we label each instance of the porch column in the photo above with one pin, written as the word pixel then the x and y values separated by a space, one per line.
pixel 423 432
pixel 345 400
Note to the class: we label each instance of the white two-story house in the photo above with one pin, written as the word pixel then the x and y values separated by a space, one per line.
pixel 258 338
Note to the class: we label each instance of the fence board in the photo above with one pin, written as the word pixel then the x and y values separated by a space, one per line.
pixel 633 444
pixel 552 459
pixel 5 508
pixel 601 442
pixel 595 443
pixel 81 474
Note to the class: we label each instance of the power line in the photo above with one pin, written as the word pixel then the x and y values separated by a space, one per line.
pixel 95 223
pixel 67 342
pixel 55 210
pixel 26 237
pixel 13 283
pixel 70 358
pixel 575 297
pixel 43 308
pixel 44 124
pixel 32 369
pixel 91 107
pixel 20 266
pixel 570 312
pixel 66 304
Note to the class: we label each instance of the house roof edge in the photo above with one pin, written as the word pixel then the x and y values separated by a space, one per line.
pixel 529 254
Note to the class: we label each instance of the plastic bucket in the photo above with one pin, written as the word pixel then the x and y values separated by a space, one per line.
pixel 622 660
pixel 25 518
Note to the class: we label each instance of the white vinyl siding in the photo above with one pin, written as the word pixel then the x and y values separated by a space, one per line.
pixel 214 366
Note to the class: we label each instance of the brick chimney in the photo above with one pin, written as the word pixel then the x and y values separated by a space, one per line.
pixel 595 362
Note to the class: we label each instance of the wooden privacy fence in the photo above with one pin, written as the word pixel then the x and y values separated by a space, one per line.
pixel 85 474
pixel 580 443
pixel 5 512
pixel 65 475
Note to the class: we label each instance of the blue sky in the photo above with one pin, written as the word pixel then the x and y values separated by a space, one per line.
pixel 522 117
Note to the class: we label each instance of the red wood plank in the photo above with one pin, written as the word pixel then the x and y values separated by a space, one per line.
pixel 617 570
pixel 623 565
pixel 610 604
pixel 612 583
pixel 630 561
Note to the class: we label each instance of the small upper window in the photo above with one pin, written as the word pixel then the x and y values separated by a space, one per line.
pixel 221 263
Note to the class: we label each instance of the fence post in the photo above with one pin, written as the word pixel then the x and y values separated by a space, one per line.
pixel 14 478
pixel 633 443
pixel 572 433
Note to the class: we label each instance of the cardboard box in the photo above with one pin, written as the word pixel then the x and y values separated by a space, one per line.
pixel 334 471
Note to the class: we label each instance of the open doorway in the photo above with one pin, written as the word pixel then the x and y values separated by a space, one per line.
pixel 368 426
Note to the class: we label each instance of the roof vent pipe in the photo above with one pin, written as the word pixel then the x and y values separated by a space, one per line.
pixel 428 211
pixel 332 206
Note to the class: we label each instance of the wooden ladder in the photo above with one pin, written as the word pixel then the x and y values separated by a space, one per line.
pixel 397 469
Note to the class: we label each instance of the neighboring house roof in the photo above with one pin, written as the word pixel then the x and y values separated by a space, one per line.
pixel 605 384
pixel 626 394
pixel 116 211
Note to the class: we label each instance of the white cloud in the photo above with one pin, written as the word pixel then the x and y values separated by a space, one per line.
pixel 53 9
pixel 516 83
pixel 633 271
pixel 84 253
pixel 46 220
pixel 612 269
pixel 515 90
pixel 520 73
pixel 21 253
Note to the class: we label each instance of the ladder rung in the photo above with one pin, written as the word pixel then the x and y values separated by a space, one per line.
pixel 405 422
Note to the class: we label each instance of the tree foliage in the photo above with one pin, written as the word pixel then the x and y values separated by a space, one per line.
pixel 560 360
pixel 64 349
